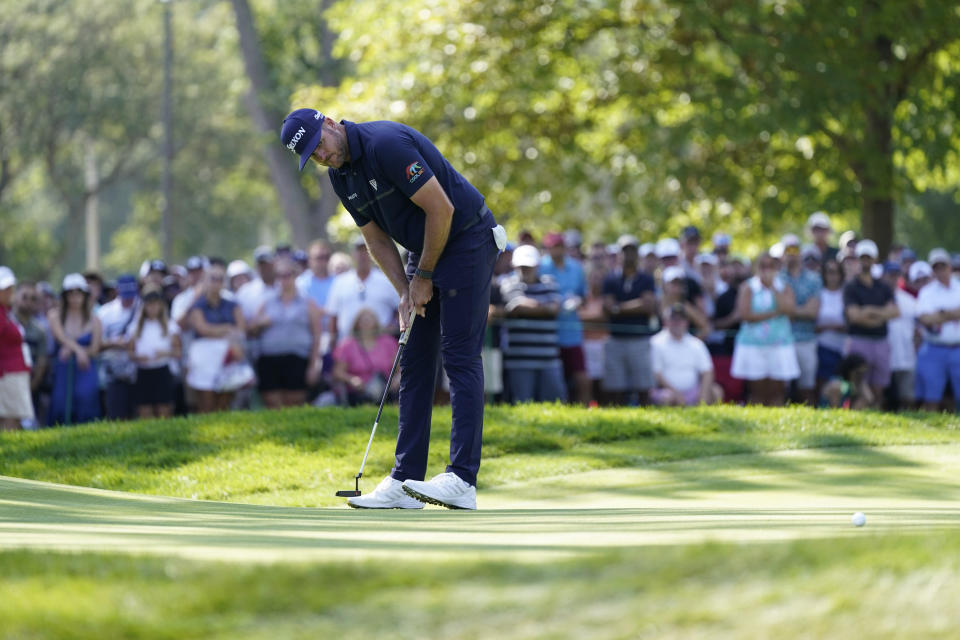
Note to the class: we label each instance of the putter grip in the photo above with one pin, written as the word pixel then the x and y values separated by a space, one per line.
pixel 406 332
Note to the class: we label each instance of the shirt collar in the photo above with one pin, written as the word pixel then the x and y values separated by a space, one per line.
pixel 353 145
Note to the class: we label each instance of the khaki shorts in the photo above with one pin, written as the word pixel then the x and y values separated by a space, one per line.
pixel 15 401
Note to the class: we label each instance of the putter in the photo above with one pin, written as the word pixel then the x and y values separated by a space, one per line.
pixel 352 493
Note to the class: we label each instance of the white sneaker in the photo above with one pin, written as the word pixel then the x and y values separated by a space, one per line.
pixel 446 490
pixel 388 495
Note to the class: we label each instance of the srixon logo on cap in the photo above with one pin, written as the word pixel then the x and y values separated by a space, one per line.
pixel 296 138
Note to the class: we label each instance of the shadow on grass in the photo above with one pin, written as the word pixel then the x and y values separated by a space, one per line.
pixel 129 456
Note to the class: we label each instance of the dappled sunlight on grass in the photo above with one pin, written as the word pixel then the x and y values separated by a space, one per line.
pixel 302 456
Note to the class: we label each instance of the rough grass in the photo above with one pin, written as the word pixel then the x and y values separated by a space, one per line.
pixel 300 457
pixel 881 587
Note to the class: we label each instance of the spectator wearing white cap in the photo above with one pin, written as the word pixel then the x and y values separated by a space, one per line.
pixel 806 287
pixel 938 309
pixel 36 335
pixel 820 229
pixel 648 258
pixel 812 260
pixel 869 306
pixel 75 397
pixel 252 295
pixel 238 274
pixel 531 354
pixel 682 365
pixel 763 351
pixel 669 252
pixel 16 403
pixel 901 334
pixel 631 304
pixel 675 284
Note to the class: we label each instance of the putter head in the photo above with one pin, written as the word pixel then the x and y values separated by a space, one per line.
pixel 350 493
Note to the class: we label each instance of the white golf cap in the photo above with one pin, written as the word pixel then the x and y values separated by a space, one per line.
pixel 7 279
pixel 939 255
pixel 75 281
pixel 920 269
pixel 526 255
pixel 238 268
pixel 819 220
pixel 675 272
pixel 776 251
pixel 627 240
pixel 790 240
pixel 707 258
pixel 648 249
pixel 668 247
pixel 867 248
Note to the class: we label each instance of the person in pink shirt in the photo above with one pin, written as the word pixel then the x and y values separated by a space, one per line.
pixel 362 362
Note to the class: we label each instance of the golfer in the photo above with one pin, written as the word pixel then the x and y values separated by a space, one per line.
pixel 399 188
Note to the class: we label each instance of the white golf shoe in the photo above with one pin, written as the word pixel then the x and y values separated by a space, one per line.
pixel 446 490
pixel 389 494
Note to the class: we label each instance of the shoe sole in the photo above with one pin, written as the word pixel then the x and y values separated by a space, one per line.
pixel 357 506
pixel 422 497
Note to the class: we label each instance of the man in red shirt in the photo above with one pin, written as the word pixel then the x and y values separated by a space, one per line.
pixel 15 401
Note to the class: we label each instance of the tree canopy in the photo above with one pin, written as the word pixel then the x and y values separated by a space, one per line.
pixel 605 115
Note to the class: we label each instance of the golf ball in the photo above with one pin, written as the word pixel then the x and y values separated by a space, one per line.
pixel 858 519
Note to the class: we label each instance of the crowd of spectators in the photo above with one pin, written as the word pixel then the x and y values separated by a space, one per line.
pixel 671 322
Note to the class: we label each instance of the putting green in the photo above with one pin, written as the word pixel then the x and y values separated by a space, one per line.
pixel 778 496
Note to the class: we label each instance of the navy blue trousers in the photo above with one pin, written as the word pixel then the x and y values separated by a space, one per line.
pixel 456 318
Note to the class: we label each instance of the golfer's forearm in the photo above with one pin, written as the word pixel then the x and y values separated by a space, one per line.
pixel 385 254
pixel 435 234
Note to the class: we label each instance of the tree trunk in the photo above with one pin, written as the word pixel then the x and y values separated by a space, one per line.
pixel 306 222
pixel 876 179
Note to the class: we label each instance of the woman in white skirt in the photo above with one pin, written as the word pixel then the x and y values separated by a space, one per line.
pixel 219 327
pixel 763 351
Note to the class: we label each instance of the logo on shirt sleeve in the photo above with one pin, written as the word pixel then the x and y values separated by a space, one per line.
pixel 414 171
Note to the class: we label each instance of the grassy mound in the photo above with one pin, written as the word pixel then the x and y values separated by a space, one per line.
pixel 300 457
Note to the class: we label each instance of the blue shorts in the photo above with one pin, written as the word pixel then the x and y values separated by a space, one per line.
pixel 828 362
pixel 935 363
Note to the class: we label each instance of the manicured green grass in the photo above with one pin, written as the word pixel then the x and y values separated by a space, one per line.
pixel 301 457
pixel 705 523
pixel 902 586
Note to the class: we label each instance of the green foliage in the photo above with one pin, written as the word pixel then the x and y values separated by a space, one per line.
pixel 649 115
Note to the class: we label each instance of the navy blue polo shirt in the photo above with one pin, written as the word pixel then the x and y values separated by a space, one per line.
pixel 389 162
pixel 623 289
